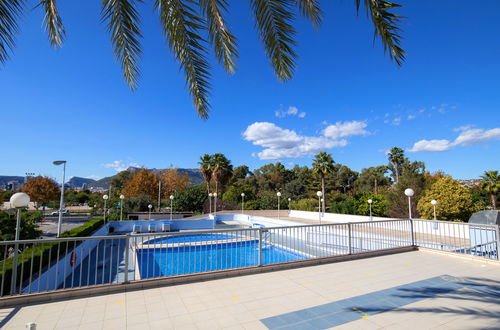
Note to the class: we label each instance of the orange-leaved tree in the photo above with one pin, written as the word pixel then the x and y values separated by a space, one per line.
pixel 172 180
pixel 41 189
pixel 142 182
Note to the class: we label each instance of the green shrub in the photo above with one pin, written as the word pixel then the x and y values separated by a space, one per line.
pixel 305 204
pixel 34 256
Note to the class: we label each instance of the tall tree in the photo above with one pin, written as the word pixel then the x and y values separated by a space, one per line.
pixel 222 171
pixel 372 178
pixel 323 165
pixel 172 180
pixel 41 190
pixel 142 182
pixel 396 158
pixel 490 182
pixel 190 25
pixel 207 167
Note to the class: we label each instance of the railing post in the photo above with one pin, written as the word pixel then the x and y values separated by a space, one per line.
pixel 127 249
pixel 412 233
pixel 349 236
pixel 260 246
pixel 13 283
pixel 497 232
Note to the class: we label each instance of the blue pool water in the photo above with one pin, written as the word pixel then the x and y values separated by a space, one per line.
pixel 203 258
pixel 189 238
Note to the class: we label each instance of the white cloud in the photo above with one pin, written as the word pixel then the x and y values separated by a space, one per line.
pixel 291 111
pixel 411 117
pixel 280 143
pixel 467 137
pixel 119 166
pixel 345 129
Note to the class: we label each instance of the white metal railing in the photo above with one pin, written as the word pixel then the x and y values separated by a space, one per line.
pixel 58 264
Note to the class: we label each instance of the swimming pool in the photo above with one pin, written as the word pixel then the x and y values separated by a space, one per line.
pixel 190 259
pixel 189 238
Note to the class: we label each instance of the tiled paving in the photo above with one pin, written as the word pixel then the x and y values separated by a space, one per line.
pixel 442 292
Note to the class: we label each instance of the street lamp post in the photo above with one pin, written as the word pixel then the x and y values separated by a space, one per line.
pixel 121 207
pixel 215 203
pixel 105 197
pixel 159 195
pixel 409 192
pixel 319 194
pixel 370 203
pixel 210 202
pixel 18 200
pixel 289 206
pixel 434 203
pixel 171 205
pixel 279 195
pixel 150 207
pixel 61 203
pixel 242 202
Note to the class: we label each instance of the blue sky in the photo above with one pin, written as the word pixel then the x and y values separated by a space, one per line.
pixel 346 97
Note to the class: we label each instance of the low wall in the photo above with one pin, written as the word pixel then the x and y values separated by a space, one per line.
pixel 175 225
pixel 334 217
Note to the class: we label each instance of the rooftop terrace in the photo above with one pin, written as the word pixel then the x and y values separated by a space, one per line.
pixel 411 290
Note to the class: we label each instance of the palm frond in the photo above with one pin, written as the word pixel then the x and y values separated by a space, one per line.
pixel 10 11
pixel 311 10
pixel 123 23
pixel 182 26
pixel 274 22
pixel 221 38
pixel 53 23
pixel 386 25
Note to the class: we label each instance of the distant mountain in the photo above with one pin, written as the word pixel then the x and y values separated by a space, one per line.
pixel 194 175
pixel 6 179
pixel 78 182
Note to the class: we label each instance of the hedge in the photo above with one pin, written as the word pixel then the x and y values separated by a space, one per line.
pixel 32 257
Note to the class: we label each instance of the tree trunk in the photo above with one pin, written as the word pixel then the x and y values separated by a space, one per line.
pixel 396 171
pixel 376 187
pixel 494 201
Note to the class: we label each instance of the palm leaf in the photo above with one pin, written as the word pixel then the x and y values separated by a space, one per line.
pixel 221 38
pixel 274 22
pixel 10 11
pixel 53 23
pixel 182 26
pixel 386 26
pixel 311 10
pixel 123 23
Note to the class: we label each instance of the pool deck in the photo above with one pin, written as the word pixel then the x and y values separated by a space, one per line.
pixel 423 290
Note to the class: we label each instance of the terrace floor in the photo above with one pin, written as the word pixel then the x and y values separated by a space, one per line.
pixel 412 290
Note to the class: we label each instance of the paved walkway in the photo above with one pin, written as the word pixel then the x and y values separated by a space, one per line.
pixel 249 302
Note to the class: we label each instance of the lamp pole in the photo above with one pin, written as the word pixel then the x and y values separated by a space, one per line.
pixel 242 202
pixel 150 207
pixel 409 192
pixel 434 202
pixel 289 206
pixel 370 203
pixel 319 194
pixel 18 200
pixel 171 205
pixel 279 195
pixel 210 203
pixel 122 197
pixel 105 197
pixel 61 202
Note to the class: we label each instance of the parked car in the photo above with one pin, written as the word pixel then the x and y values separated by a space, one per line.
pixel 63 212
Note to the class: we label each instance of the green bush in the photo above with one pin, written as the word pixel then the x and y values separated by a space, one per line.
pixel 305 204
pixel 33 257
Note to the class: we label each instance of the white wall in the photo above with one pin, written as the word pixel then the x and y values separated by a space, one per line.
pixel 334 217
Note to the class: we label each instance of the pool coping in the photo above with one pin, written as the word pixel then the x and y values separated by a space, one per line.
pixel 72 293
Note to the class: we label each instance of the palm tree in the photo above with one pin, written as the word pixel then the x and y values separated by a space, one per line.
pixel 322 166
pixel 190 25
pixel 222 170
pixel 206 168
pixel 491 184
pixel 396 158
